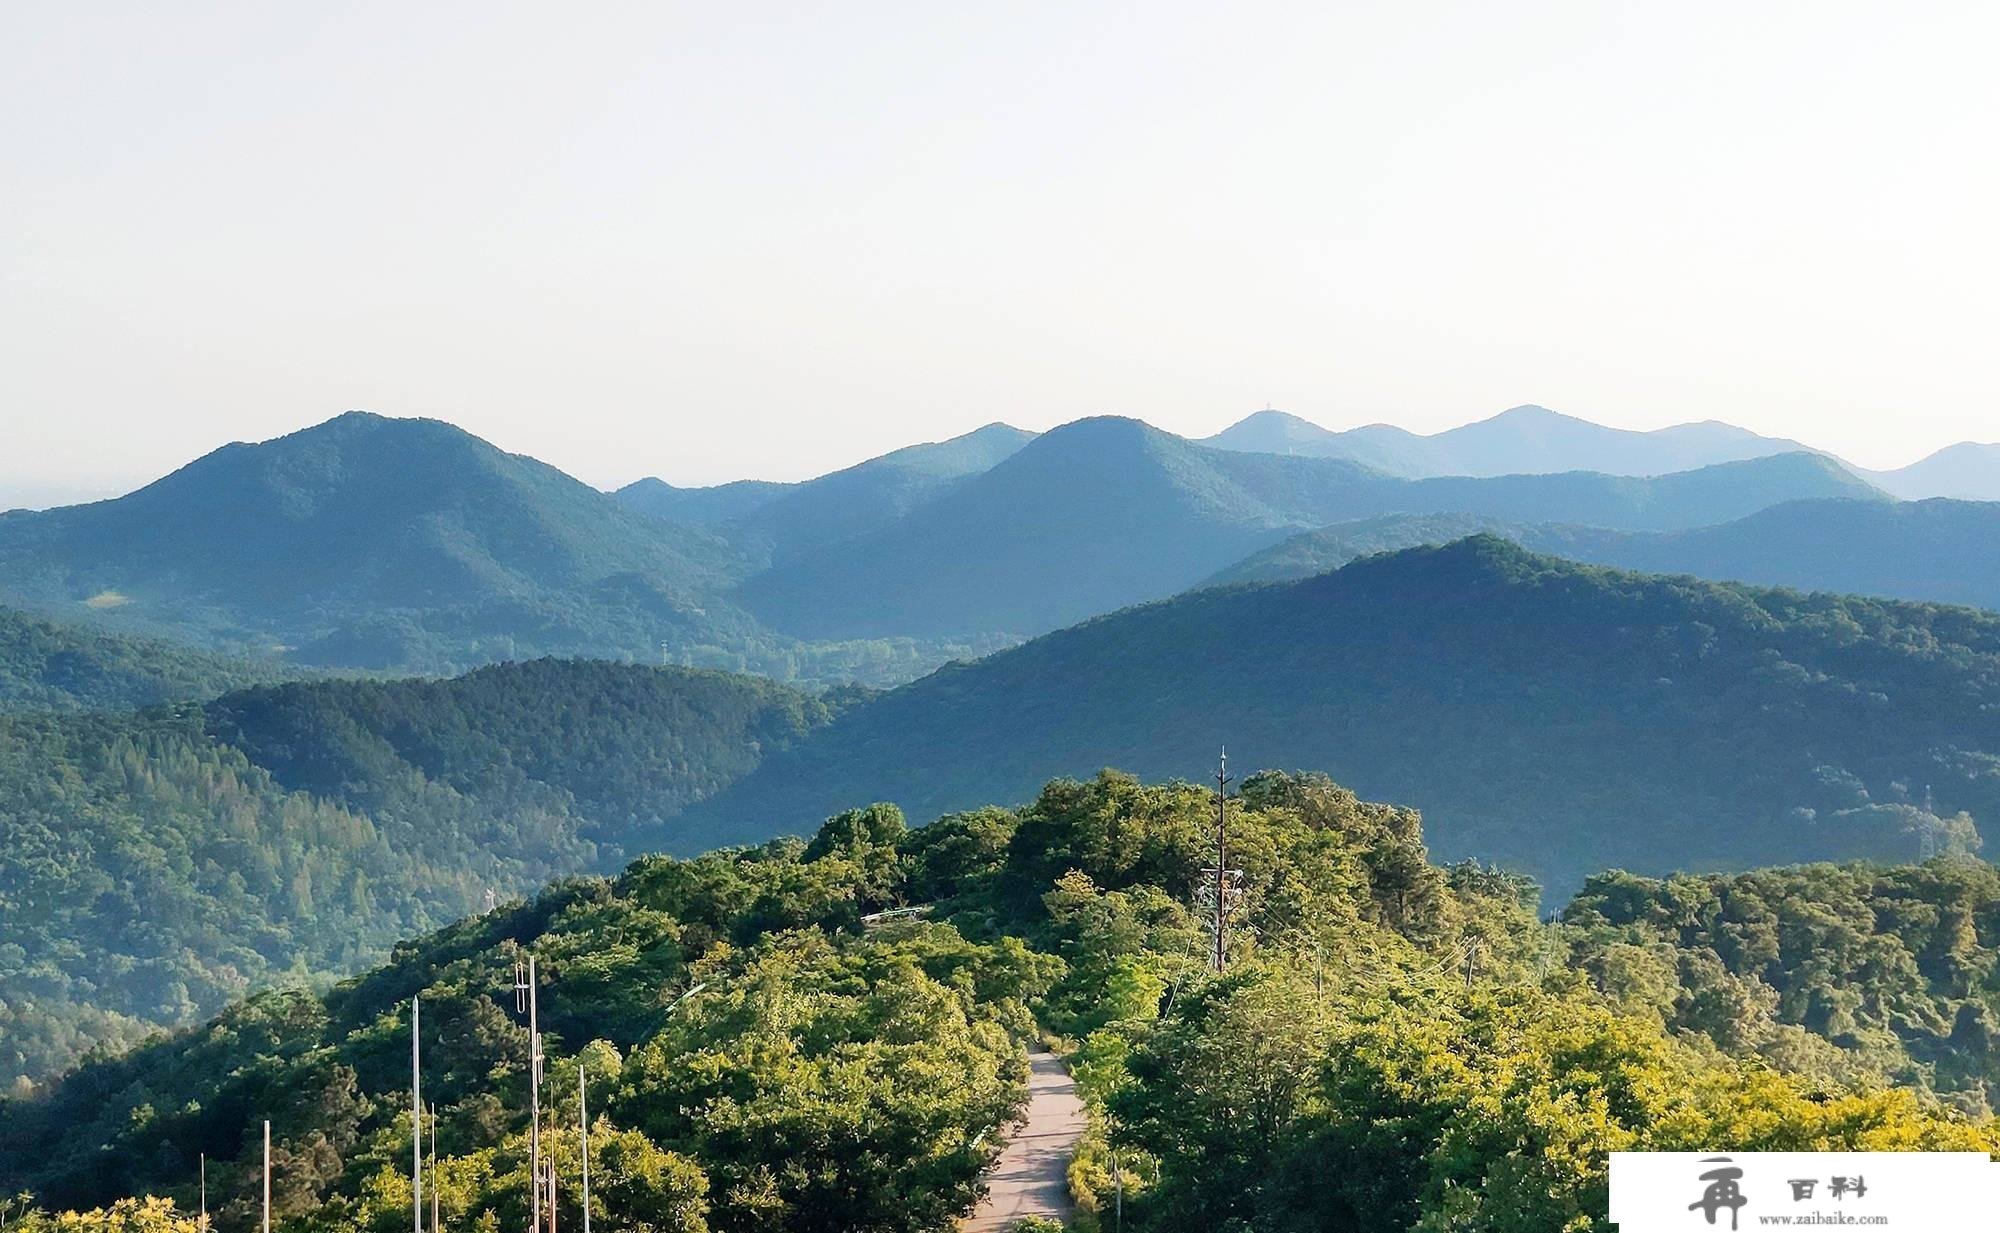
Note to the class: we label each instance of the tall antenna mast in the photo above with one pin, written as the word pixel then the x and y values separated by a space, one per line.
pixel 1221 958
pixel 416 1123
pixel 583 1129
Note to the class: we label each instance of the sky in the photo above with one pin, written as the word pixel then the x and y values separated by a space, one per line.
pixel 707 241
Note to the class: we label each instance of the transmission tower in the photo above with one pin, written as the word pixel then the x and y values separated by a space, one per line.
pixel 1221 890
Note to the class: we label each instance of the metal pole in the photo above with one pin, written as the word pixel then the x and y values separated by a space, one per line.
pixel 267 1175
pixel 204 1192
pixel 534 1103
pixel 583 1128
pixel 416 1123
pixel 1221 865
pixel 435 1224
pixel 1118 1179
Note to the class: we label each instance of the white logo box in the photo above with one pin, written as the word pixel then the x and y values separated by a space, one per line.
pixel 1668 1192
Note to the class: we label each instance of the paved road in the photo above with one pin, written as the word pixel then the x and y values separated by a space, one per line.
pixel 1031 1178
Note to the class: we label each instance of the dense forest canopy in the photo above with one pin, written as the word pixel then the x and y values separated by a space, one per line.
pixel 1896 966
pixel 1556 718
pixel 760 1059
pixel 155 865
pixel 63 666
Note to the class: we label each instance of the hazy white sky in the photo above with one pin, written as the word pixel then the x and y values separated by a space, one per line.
pixel 714 240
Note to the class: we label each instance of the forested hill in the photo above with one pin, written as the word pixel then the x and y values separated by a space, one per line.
pixel 378 543
pixel 621 748
pixel 154 865
pixel 1899 966
pixel 758 1059
pixel 48 665
pixel 1946 551
pixel 1556 717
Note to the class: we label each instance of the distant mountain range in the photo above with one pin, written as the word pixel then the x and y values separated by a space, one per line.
pixel 409 545
pixel 1526 440
pixel 1967 471
pixel 1531 440
pixel 795 518
pixel 1938 550
pixel 1108 512
pixel 1556 717
pixel 376 543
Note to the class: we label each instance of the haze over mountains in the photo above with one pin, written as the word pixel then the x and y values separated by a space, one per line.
pixel 1107 512
pixel 1526 440
pixel 409 545
pixel 1531 440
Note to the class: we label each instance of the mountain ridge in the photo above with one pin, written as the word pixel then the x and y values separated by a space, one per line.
pixel 1109 511
pixel 1467 679
pixel 1523 440
pixel 1936 550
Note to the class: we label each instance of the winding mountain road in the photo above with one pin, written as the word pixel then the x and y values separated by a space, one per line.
pixel 1031 1177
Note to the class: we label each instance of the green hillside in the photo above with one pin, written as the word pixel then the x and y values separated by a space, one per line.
pixel 757 1059
pixel 155 865
pixel 1947 551
pixel 47 665
pixel 1900 967
pixel 1555 717
pixel 1103 513
pixel 377 543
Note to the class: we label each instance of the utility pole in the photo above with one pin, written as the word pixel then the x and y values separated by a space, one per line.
pixel 524 999
pixel 203 1226
pixel 1221 958
pixel 583 1129
pixel 267 1175
pixel 437 1224
pixel 1118 1181
pixel 416 1122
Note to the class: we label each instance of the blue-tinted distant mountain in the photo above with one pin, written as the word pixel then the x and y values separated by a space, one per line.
pixel 1968 471
pixel 784 520
pixel 1107 512
pixel 708 507
pixel 1559 717
pixel 1524 440
pixel 1943 551
pixel 376 542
